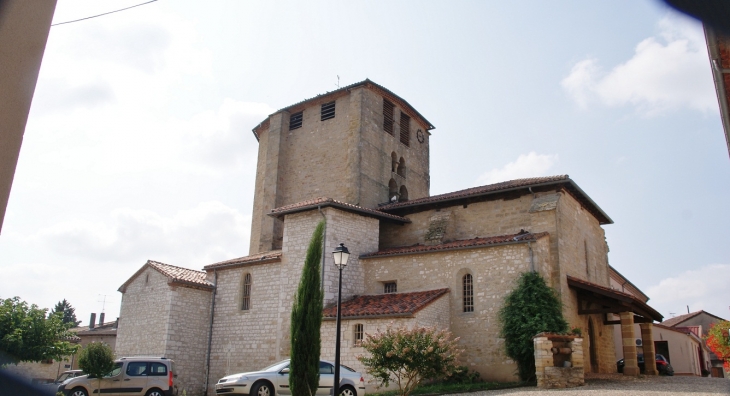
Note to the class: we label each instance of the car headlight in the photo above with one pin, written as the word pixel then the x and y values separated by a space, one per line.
pixel 236 378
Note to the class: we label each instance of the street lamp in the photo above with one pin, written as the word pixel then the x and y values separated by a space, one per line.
pixel 341 254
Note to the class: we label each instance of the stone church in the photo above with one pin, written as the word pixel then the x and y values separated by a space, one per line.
pixel 358 157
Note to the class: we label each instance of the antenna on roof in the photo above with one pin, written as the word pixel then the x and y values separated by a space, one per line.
pixel 688 309
pixel 102 301
pixel 338 81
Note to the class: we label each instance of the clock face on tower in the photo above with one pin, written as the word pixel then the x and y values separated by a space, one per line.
pixel 419 136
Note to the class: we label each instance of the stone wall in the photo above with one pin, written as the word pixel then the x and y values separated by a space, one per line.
pixel 436 314
pixel 557 370
pixel 494 270
pixel 39 371
pixel 144 316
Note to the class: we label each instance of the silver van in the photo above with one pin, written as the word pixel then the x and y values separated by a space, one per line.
pixel 147 376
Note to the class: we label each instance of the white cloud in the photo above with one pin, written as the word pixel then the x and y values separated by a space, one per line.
pixel 526 165
pixel 195 237
pixel 668 71
pixel 705 288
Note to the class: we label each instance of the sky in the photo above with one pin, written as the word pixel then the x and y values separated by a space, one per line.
pixel 139 145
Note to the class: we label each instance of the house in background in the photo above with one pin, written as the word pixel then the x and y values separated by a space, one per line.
pixel 699 322
pixel 683 347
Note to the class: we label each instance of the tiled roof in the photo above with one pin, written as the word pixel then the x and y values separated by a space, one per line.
pixel 324 202
pixel 181 275
pixel 489 189
pixel 392 304
pixel 366 83
pixel 259 258
pixel 671 322
pixel 108 328
pixel 624 300
pixel 454 245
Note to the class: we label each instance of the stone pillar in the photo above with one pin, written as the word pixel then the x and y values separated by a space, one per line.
pixel 647 340
pixel 543 359
pixel 631 365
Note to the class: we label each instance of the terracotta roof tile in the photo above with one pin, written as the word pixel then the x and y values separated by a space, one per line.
pixel 392 304
pixel 671 322
pixel 506 185
pixel 635 304
pixel 471 193
pixel 324 202
pixel 454 245
pixel 180 274
pixel 264 257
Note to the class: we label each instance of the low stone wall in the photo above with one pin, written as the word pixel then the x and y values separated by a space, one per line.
pixel 558 361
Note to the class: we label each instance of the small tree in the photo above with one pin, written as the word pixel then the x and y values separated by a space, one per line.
pixel 26 335
pixel 67 312
pixel 408 356
pixel 531 308
pixel 97 360
pixel 718 340
pixel 306 320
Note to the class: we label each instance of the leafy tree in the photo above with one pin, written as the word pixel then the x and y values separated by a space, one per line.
pixel 718 340
pixel 408 356
pixel 67 312
pixel 306 319
pixel 531 308
pixel 26 335
pixel 97 360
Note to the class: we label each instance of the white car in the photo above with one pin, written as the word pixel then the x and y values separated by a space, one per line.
pixel 274 381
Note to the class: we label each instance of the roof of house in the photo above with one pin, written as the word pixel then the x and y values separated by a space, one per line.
pixel 322 202
pixel 108 328
pixel 367 83
pixel 613 299
pixel 258 258
pixel 469 194
pixel 521 237
pixel 175 275
pixel 385 305
pixel 673 322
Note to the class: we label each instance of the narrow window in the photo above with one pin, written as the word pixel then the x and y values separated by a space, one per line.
pixel 390 287
pixel 388 116
pixel 401 167
pixel 393 161
pixel 295 121
pixel 246 299
pixel 403 194
pixel 328 111
pixel 405 129
pixel 359 333
pixel 468 293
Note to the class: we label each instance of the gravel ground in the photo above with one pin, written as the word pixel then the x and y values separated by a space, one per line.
pixel 616 384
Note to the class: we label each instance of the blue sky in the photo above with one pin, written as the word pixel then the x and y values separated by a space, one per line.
pixel 139 143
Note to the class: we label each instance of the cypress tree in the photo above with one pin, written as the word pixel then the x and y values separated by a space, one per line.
pixel 531 308
pixel 306 319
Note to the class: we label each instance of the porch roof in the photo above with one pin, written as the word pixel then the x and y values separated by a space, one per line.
pixel 595 299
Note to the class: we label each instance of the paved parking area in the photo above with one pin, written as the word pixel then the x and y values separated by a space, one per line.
pixel 615 384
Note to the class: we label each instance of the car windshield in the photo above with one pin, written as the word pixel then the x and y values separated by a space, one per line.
pixel 277 366
pixel 64 377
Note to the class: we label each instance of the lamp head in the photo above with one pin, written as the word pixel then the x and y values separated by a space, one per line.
pixel 341 254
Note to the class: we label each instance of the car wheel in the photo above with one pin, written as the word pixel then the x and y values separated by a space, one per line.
pixel 78 392
pixel 262 389
pixel 347 391
pixel 154 392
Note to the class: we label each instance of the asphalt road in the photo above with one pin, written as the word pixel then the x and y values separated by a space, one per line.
pixel 615 385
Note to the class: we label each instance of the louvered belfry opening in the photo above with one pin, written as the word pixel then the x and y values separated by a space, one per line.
pixel 405 129
pixel 328 111
pixel 388 109
pixel 295 120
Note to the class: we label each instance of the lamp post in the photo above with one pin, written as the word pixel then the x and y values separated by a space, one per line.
pixel 341 254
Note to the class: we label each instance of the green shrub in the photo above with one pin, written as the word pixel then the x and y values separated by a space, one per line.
pixel 531 308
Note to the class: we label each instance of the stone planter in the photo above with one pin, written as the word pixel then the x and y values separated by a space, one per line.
pixel 558 360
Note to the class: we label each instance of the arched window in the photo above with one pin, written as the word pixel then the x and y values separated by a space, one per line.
pixel 246 293
pixel 393 161
pixel 401 167
pixel 468 289
pixel 403 193
pixel 392 190
pixel 358 332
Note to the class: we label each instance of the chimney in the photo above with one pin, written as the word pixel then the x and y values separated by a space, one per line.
pixel 116 325
pixel 92 321
pixel 101 318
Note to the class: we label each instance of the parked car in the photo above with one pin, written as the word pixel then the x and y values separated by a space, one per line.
pixel 274 381
pixel 149 376
pixel 662 364
pixel 68 374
